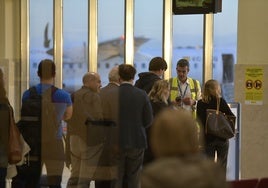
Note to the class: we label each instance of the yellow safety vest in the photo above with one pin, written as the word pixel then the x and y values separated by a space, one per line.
pixel 194 86
pixel 174 88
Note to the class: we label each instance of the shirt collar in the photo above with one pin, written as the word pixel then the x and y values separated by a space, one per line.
pixel 187 82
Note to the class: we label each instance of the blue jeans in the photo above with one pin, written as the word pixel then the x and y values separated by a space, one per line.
pixel 130 166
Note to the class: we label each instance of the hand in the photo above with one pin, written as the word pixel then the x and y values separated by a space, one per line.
pixel 176 103
pixel 188 101
pixel 68 164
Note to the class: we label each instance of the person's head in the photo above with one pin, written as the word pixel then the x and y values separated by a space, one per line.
pixel 46 69
pixel 175 133
pixel 211 89
pixel 126 72
pixel 158 65
pixel 183 68
pixel 160 91
pixel 114 75
pixel 174 172
pixel 92 80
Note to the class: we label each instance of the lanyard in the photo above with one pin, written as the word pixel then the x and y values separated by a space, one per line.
pixel 182 95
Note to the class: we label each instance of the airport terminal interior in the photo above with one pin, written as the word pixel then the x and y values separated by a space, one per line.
pixel 227 42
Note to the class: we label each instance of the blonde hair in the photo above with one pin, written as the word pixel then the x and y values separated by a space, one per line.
pixel 157 92
pixel 211 89
pixel 174 133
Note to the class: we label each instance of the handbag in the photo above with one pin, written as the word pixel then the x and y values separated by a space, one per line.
pixel 219 124
pixel 15 145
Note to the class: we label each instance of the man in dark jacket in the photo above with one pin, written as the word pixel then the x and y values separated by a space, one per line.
pixel 135 115
pixel 146 80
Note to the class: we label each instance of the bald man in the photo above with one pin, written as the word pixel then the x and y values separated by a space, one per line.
pixel 85 140
pixel 92 81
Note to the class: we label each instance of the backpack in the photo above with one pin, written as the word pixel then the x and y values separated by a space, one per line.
pixel 38 124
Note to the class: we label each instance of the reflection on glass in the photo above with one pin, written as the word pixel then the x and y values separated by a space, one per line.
pixel 75 32
pixel 187 43
pixel 225 40
pixel 110 36
pixel 147 32
pixel 41 35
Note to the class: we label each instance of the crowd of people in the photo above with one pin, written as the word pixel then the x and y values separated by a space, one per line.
pixel 148 133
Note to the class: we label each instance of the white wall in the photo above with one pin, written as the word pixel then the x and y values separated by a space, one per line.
pixel 252 50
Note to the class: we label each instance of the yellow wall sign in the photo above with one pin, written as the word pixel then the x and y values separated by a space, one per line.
pixel 254 85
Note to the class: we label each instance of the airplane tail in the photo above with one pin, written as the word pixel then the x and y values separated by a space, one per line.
pixel 46 40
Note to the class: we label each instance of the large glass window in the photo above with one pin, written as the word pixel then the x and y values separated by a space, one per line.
pixel 225 42
pixel 148 27
pixel 75 46
pixel 224 58
pixel 188 43
pixel 110 36
pixel 147 32
pixel 41 35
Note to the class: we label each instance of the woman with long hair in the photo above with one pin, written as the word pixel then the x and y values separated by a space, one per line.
pixel 211 96
pixel 158 95
pixel 4 130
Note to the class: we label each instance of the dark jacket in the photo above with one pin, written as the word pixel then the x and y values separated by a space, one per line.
pixel 201 114
pixel 4 130
pixel 157 107
pixel 146 81
pixel 135 114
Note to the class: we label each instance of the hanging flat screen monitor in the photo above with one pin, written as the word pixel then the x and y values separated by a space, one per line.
pixel 196 6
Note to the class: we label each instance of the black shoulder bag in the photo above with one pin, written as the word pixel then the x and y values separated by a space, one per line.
pixel 220 124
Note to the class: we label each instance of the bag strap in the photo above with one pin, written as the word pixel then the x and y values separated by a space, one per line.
pixel 50 92
pixel 11 113
pixel 218 105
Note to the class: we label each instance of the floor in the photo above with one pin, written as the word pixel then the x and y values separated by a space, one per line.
pixel 65 177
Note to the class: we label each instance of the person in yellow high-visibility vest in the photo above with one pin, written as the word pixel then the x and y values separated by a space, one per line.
pixel 184 91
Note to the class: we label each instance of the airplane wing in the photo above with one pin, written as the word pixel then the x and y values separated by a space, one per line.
pixel 112 48
pixel 109 49
pixel 138 41
pixel 106 50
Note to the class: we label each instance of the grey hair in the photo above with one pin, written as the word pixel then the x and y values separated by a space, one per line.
pixel 113 74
